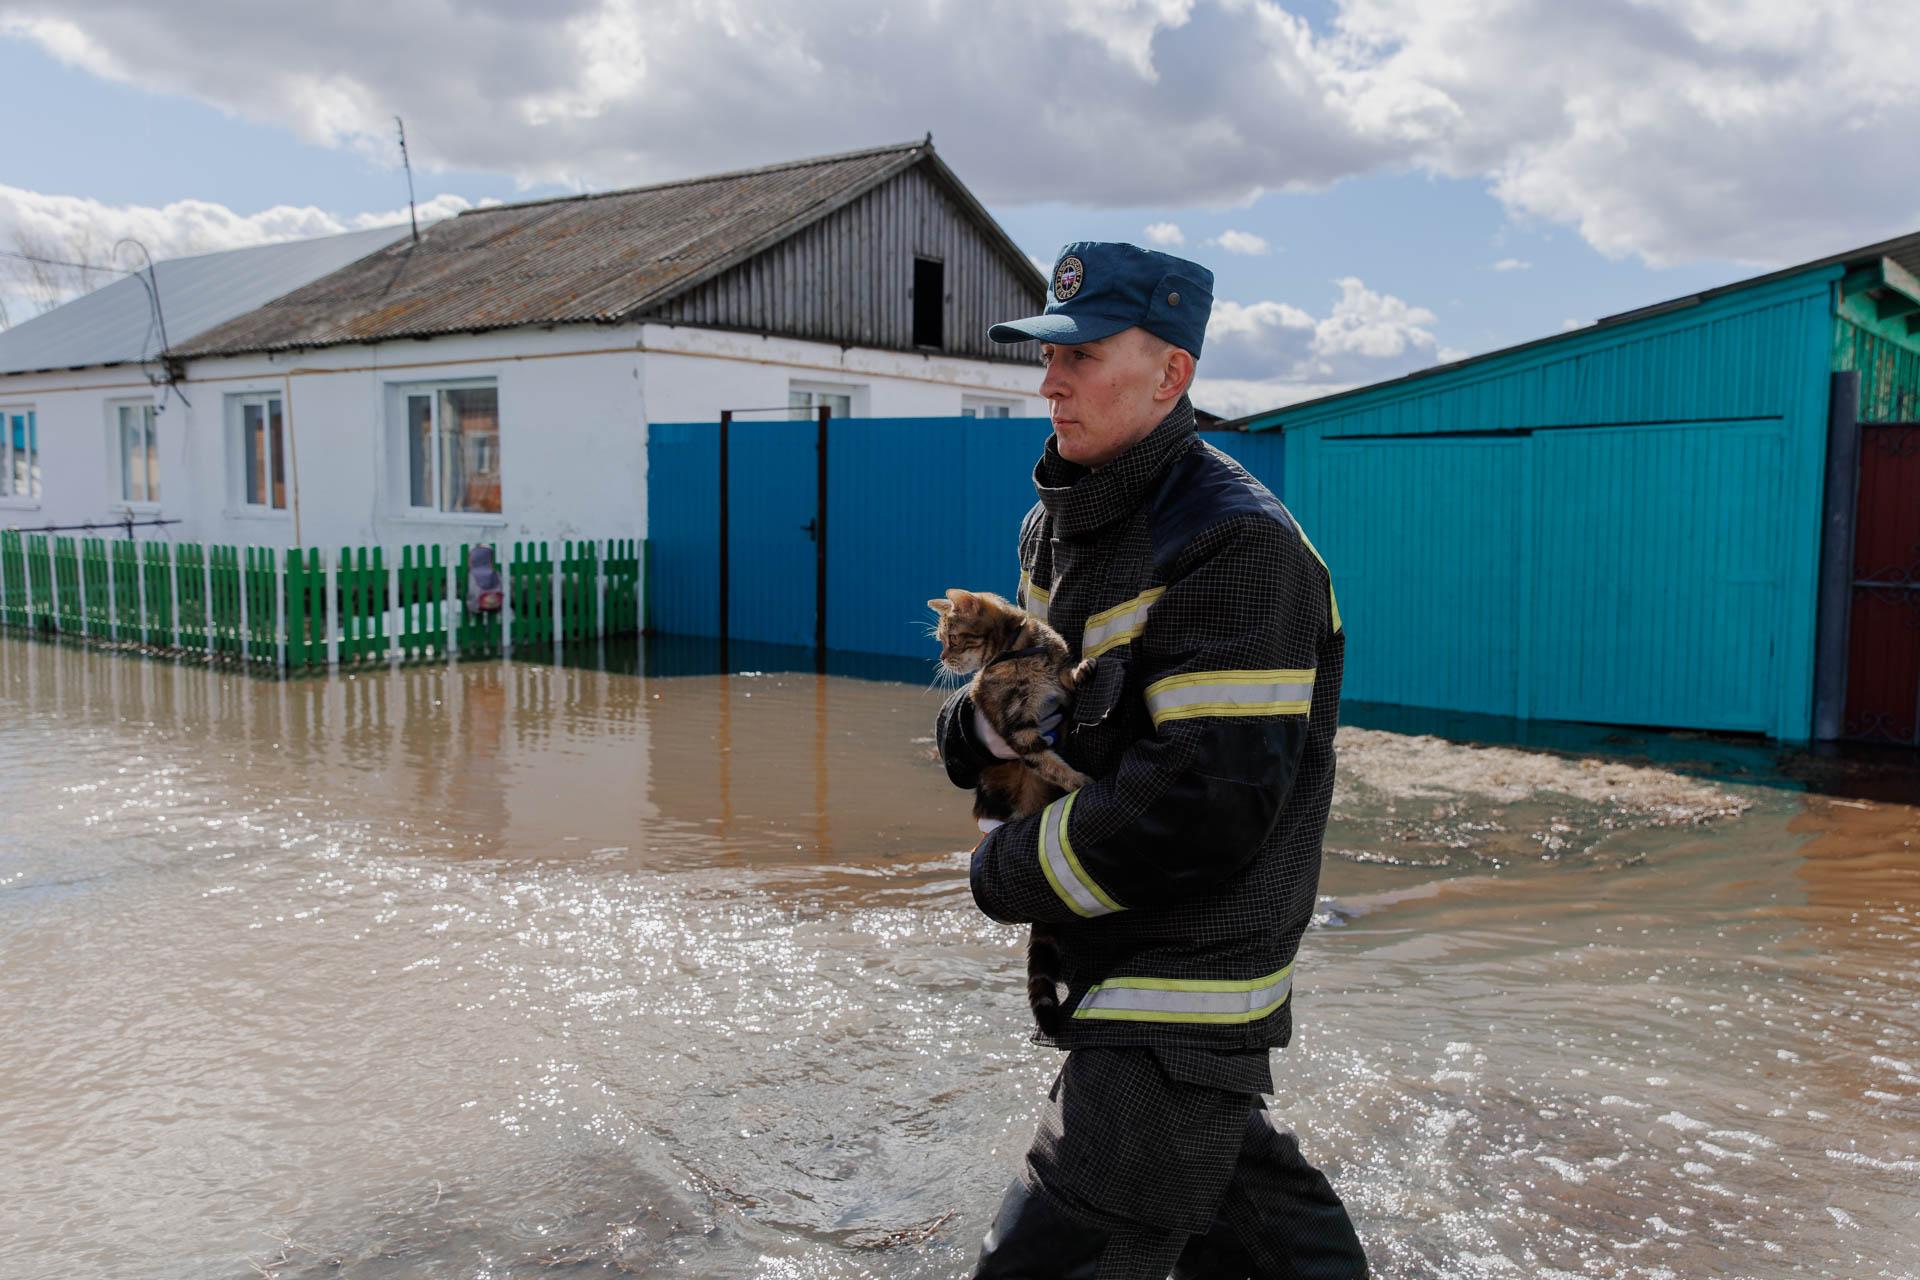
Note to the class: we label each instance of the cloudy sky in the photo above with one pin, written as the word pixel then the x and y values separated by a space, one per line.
pixel 1377 184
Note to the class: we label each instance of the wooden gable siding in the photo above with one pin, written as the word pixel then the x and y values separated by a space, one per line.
pixel 849 278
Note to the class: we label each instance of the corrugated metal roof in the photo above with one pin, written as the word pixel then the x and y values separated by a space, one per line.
pixel 597 258
pixel 1904 250
pixel 114 323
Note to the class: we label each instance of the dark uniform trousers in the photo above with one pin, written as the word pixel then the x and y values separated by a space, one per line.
pixel 1138 1169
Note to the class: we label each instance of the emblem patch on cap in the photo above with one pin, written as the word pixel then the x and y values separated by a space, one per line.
pixel 1068 276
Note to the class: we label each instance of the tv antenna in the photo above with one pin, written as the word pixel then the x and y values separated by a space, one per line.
pixel 407 164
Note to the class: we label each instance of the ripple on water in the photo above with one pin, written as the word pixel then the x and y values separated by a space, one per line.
pixel 501 971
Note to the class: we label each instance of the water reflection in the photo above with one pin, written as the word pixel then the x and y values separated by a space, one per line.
pixel 509 968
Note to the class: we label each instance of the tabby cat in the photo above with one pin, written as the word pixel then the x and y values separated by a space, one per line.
pixel 1017 661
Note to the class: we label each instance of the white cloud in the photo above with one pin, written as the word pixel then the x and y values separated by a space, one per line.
pixel 1241 242
pixel 1260 355
pixel 1513 264
pixel 1570 324
pixel 91 231
pixel 1165 234
pixel 1237 397
pixel 1749 129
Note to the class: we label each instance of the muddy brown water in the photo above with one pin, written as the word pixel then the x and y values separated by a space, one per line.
pixel 511 970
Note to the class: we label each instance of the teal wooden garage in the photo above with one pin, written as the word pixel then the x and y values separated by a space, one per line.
pixel 1622 524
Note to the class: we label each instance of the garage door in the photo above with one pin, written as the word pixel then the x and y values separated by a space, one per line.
pixel 1423 539
pixel 1623 575
pixel 1657 572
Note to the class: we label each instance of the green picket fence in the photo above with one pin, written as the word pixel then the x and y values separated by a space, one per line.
pixel 66 585
pixel 306 615
pixel 530 595
pixel 422 583
pixel 621 587
pixel 252 605
pixel 190 576
pixel 40 581
pixel 361 605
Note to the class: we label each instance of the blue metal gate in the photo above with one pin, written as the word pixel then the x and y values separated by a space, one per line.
pixel 913 506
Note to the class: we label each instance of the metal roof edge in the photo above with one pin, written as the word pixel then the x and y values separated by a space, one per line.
pixel 807 162
pixel 1268 419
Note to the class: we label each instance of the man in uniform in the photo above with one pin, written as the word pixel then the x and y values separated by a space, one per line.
pixel 1179 882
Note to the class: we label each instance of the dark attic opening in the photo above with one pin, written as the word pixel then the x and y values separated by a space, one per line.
pixel 929 294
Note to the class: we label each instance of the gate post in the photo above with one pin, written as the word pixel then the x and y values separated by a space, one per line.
pixel 820 547
pixel 1836 557
pixel 726 547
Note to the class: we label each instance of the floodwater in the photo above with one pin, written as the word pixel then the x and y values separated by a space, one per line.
pixel 507 970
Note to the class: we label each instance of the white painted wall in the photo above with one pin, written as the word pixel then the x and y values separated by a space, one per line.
pixel 575 402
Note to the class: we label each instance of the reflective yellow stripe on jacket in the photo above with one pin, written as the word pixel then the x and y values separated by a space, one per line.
pixel 1032 598
pixel 1230 693
pixel 1069 879
pixel 1111 628
pixel 1186 999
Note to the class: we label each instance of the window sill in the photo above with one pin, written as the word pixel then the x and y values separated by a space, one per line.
pixel 136 508
pixel 19 504
pixel 281 516
pixel 489 519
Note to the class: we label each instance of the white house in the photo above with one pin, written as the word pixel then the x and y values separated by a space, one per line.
pixel 495 379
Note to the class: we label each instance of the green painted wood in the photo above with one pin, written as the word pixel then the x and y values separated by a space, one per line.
pixel 66 586
pixel 363 604
pixel 422 580
pixel 96 588
pixel 1885 355
pixel 40 582
pixel 477 635
pixel 579 591
pixel 13 579
pixel 530 595
pixel 263 615
pixel 159 611
pixel 127 612
pixel 621 603
pixel 306 609
pixel 190 594
pixel 223 590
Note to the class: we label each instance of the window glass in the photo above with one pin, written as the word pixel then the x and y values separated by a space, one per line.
pixel 263 452
pixel 470 449
pixel 19 454
pixel 420 450
pixel 253 438
pixel 279 454
pixel 805 402
pixel 139 453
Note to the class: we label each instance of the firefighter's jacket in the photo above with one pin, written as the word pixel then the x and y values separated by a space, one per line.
pixel 1180 881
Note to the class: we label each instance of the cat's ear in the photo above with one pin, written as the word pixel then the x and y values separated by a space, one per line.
pixel 961 600
pixel 940 607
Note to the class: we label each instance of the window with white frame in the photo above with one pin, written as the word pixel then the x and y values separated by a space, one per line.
pixel 259 451
pixel 136 435
pixel 804 399
pixel 448 454
pixel 19 452
pixel 983 407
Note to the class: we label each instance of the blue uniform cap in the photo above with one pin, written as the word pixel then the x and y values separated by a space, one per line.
pixel 1100 287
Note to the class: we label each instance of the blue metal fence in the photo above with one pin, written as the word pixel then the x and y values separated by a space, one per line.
pixel 915 505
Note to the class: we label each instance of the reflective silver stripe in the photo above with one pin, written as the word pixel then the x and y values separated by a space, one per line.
pixel 1186 1000
pixel 1032 598
pixel 1230 693
pixel 1063 871
pixel 1113 627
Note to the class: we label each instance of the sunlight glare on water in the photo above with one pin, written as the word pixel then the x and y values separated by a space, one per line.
pixel 507 969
